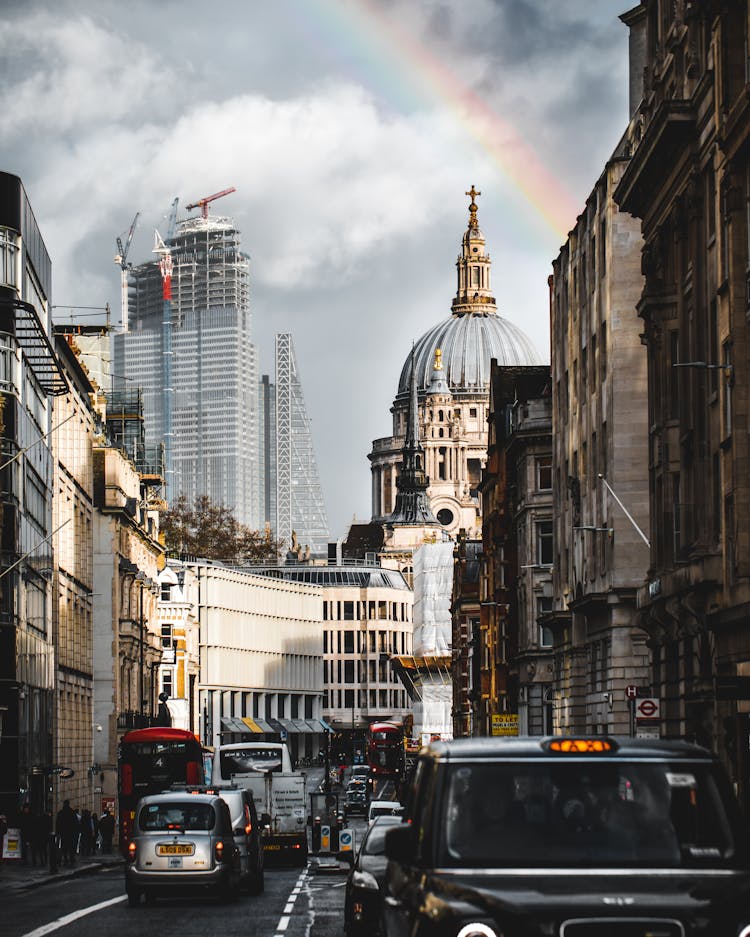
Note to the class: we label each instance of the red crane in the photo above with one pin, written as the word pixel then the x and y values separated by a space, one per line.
pixel 202 203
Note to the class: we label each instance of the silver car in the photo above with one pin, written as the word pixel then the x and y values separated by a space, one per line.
pixel 181 841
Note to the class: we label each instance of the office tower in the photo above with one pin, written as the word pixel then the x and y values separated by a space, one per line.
pixel 206 391
pixel 299 497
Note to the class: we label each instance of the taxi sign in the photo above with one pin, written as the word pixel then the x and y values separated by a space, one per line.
pixel 505 724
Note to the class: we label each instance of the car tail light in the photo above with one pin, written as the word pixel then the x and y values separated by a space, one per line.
pixel 249 828
pixel 131 851
pixel 219 851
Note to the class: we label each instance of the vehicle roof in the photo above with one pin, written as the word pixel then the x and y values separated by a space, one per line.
pixel 538 747
pixel 386 820
pixel 171 797
pixel 390 804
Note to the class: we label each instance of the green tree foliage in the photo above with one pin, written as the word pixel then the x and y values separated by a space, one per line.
pixel 210 530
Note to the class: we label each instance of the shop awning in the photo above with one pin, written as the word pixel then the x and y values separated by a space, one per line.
pixel 253 726
pixel 235 726
pixel 301 726
pixel 288 726
pixel 325 725
pixel 263 725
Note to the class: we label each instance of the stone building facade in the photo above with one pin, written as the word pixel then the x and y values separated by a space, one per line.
pixel 513 651
pixel 688 181
pixel 600 453
pixel 73 583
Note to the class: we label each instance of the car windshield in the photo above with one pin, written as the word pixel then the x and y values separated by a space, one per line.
pixel 176 816
pixel 374 845
pixel 544 814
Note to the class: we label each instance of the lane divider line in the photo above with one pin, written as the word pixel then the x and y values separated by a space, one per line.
pixel 73 916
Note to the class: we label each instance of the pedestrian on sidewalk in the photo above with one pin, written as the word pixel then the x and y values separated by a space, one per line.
pixel 107 830
pixel 67 832
pixel 26 828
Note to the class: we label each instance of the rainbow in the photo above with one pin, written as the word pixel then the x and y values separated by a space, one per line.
pixel 405 71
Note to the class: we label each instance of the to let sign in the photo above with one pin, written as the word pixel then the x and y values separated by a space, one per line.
pixel 505 724
pixel 647 708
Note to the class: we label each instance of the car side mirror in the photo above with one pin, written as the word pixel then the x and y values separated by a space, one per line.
pixel 399 843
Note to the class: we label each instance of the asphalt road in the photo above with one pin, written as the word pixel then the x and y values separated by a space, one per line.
pixel 296 903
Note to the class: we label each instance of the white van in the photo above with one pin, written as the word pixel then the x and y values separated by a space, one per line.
pixel 384 808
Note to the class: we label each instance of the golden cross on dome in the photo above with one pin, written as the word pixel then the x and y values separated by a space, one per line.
pixel 473 207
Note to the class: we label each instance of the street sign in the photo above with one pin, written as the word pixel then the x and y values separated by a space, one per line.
pixel 647 708
pixel 631 691
pixel 505 724
pixel 346 840
pixel 325 838
pixel 647 733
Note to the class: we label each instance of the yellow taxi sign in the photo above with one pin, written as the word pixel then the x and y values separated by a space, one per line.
pixel 586 746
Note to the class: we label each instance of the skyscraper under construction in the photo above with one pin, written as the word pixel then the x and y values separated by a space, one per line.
pixel 192 355
pixel 291 494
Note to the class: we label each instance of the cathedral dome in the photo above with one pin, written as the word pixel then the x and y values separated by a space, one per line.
pixel 474 333
pixel 468 343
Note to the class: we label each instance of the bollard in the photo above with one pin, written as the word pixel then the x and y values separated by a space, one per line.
pixel 316 835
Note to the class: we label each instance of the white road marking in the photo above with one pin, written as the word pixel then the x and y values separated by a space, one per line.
pixel 284 921
pixel 74 916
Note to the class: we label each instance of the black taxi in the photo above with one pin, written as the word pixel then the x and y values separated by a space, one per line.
pixel 568 837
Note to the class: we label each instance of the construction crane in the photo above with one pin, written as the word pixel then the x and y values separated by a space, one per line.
pixel 172 224
pixel 165 268
pixel 202 203
pixel 121 258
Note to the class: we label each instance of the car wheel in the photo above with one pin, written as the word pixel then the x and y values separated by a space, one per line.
pixel 134 897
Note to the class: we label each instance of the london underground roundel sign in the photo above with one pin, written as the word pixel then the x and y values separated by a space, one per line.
pixel 647 708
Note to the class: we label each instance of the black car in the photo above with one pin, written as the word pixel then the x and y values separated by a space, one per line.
pixel 355 804
pixel 568 837
pixel 363 899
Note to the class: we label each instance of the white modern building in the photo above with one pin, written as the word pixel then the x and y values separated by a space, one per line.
pixel 261 657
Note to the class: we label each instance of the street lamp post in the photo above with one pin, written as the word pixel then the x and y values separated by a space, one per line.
pixel 140 579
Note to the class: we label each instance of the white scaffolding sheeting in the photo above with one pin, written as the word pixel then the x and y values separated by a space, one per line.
pixel 433 583
pixel 432 713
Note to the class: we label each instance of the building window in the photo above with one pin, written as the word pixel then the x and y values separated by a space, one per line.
pixel 348 642
pixel 544 543
pixel 348 611
pixel 166 635
pixel 9 248
pixel 166 681
pixel 348 671
pixel 543 607
pixel 544 473
pixel 166 591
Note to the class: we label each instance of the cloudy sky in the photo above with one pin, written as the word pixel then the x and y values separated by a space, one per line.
pixel 351 130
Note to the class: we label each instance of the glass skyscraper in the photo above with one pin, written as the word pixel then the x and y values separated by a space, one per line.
pixel 213 395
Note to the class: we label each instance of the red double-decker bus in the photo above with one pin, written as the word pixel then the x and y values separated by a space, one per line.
pixel 150 761
pixel 385 751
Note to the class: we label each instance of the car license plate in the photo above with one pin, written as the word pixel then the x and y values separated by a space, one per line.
pixel 174 862
pixel 272 846
pixel 175 849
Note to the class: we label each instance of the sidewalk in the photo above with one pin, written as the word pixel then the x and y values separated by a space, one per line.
pixel 16 877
